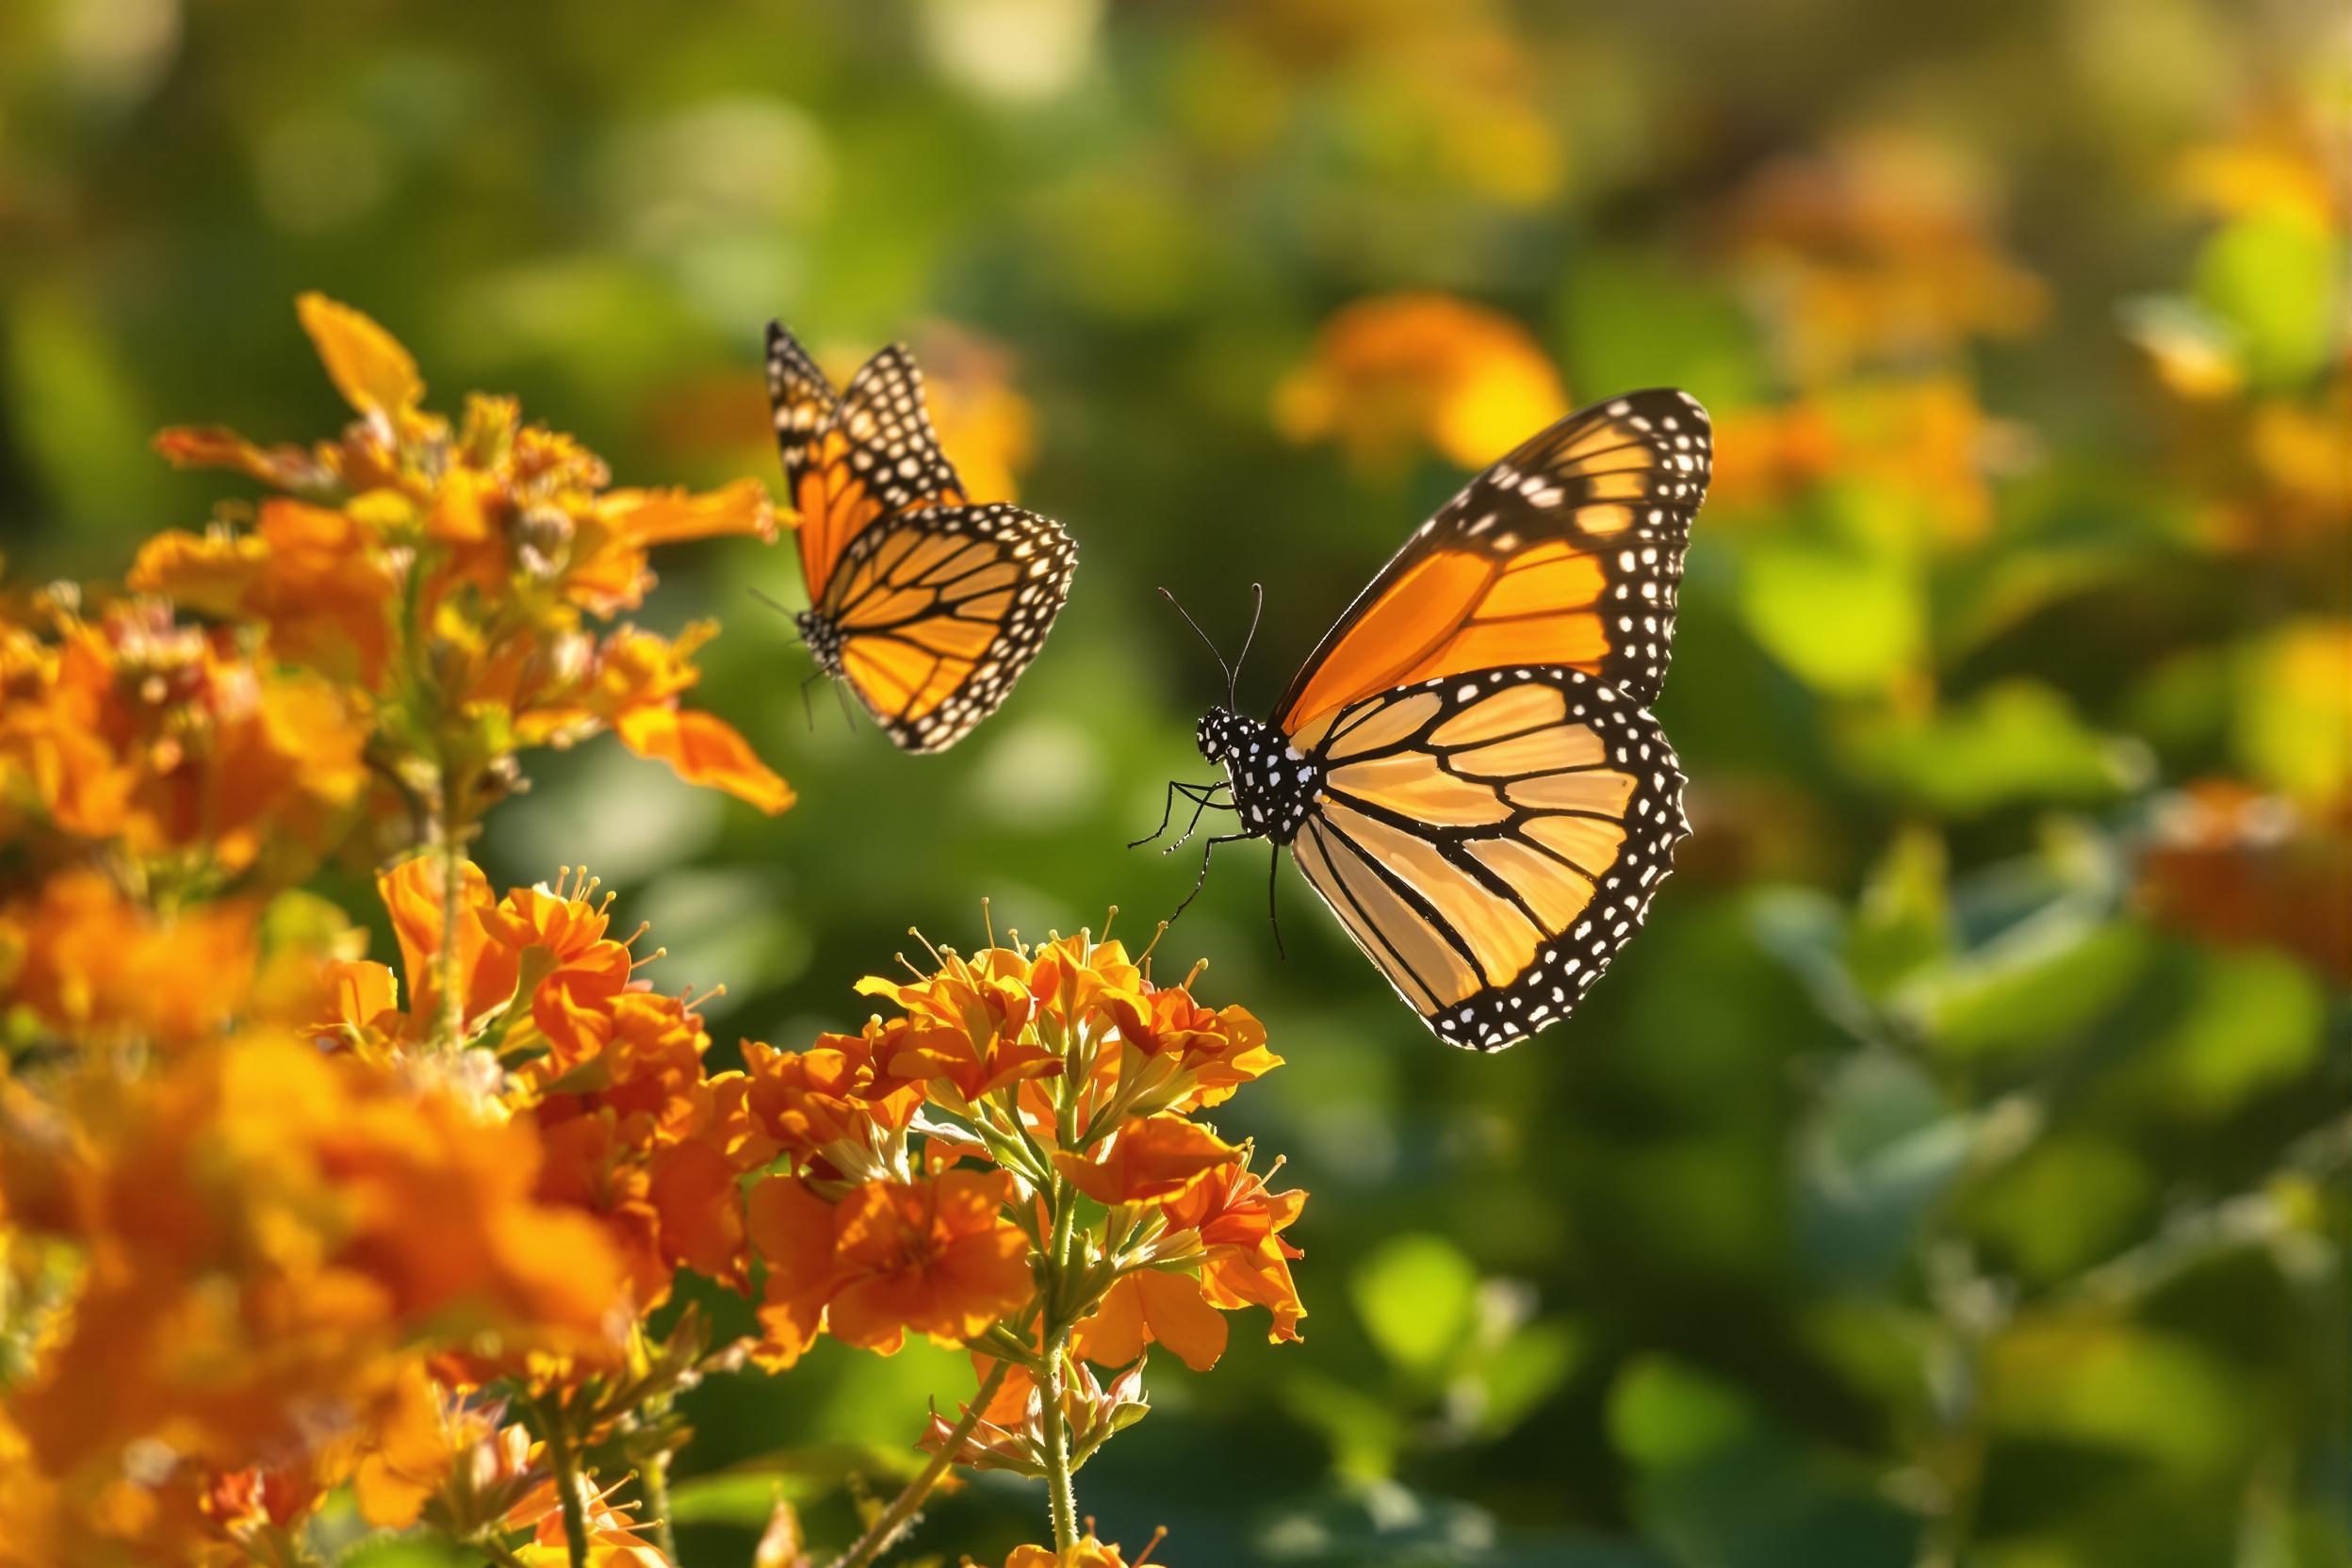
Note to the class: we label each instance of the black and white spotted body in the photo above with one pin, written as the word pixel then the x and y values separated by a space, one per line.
pixel 1274 787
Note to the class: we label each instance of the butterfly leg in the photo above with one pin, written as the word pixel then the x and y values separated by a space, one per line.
pixel 1201 881
pixel 809 709
pixel 1197 794
pixel 1273 915
pixel 1199 803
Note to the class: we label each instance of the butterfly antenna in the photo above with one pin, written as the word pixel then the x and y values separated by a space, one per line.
pixel 1257 608
pixel 1203 636
pixel 772 604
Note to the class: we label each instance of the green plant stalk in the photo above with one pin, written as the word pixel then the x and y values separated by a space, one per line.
pixel 569 1481
pixel 655 1480
pixel 449 821
pixel 894 1518
pixel 1061 1497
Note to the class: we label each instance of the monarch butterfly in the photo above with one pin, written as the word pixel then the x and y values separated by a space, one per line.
pixel 1466 768
pixel 927 606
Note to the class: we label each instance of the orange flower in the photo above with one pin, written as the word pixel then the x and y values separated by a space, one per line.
pixel 704 749
pixel 367 366
pixel 482 971
pixel 1229 1224
pixel 1879 249
pixel 935 1255
pixel 95 967
pixel 1926 439
pixel 1150 1307
pixel 613 1537
pixel 1399 369
pixel 820 1104
pixel 1189 1056
pixel 973 1026
pixel 1149 1157
pixel 316 577
pixel 1085 1553
pixel 173 742
pixel 269 1236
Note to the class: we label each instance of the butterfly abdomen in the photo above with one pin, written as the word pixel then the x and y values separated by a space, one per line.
pixel 1274 785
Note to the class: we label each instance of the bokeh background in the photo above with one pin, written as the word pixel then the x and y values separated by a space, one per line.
pixel 1954 1172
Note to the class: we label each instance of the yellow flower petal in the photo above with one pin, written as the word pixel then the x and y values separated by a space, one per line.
pixel 367 364
pixel 704 749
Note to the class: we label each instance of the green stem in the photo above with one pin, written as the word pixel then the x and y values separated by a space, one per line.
pixel 1061 1496
pixel 451 821
pixel 569 1481
pixel 655 1479
pixel 902 1509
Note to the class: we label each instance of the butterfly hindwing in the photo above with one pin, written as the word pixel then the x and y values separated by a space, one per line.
pixel 939 611
pixel 1568 550
pixel 1492 839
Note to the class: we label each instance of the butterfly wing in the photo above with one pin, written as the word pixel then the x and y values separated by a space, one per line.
pixel 941 609
pixel 1569 550
pixel 854 458
pixel 1492 840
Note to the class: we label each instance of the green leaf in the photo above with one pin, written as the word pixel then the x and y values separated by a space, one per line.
pixel 2255 1020
pixel 726 1498
pixel 1417 1296
pixel 2016 742
pixel 1663 1412
pixel 1844 617
pixel 1904 919
pixel 2035 985
pixel 1366 1433
pixel 1524 1370
pixel 2275 278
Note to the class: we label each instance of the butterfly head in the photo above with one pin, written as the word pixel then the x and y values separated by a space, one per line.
pixel 1223 734
pixel 822 638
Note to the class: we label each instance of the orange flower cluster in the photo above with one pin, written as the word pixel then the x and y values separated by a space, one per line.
pixel 1084 1553
pixel 171 745
pixel 604 1071
pixel 1074 1076
pixel 261 1239
pixel 1879 251
pixel 1925 439
pixel 1397 370
pixel 448 576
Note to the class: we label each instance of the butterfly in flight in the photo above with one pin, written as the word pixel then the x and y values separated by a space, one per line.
pixel 924 605
pixel 1466 768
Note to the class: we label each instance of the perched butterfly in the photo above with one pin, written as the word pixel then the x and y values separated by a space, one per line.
pixel 1466 768
pixel 927 606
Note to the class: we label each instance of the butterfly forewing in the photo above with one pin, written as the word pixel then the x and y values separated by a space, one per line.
pixel 1569 550
pixel 891 443
pixel 940 610
pixel 1492 839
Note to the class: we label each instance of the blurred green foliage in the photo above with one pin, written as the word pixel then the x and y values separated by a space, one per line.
pixel 1954 1172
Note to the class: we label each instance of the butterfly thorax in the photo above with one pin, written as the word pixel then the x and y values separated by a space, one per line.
pixel 1274 787
pixel 822 638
